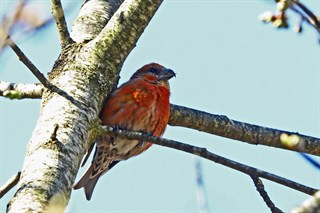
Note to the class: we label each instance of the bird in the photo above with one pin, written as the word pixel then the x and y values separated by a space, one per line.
pixel 141 104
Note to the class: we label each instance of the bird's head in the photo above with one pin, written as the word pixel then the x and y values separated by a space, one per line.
pixel 155 74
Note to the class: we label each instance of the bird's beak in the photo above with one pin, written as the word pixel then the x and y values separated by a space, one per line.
pixel 166 74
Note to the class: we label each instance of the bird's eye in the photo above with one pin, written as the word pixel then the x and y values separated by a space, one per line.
pixel 154 71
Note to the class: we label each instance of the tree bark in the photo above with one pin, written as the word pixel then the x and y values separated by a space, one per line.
pixel 253 134
pixel 86 73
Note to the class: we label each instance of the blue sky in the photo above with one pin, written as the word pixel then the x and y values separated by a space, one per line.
pixel 228 63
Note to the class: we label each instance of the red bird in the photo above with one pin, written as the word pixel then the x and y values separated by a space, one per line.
pixel 141 104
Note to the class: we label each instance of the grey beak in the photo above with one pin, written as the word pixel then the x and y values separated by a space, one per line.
pixel 166 74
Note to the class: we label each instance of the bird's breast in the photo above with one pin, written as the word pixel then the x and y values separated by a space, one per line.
pixel 139 96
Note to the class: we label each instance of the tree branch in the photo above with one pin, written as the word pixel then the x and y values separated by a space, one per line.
pixel 310 160
pixel 82 29
pixel 8 23
pixel 260 188
pixel 214 124
pixel 33 25
pixel 24 59
pixel 280 19
pixel 313 19
pixel 311 205
pixel 9 184
pixel 200 188
pixel 58 15
pixel 98 130
pixel 52 88
pixel 225 127
pixel 20 91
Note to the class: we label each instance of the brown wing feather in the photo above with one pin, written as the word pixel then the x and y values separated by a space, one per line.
pixel 101 163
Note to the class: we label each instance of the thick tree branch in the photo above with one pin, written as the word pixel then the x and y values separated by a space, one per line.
pixel 87 72
pixel 20 91
pixel 98 130
pixel 82 29
pixel 225 127
pixel 9 184
pixel 58 15
pixel 260 188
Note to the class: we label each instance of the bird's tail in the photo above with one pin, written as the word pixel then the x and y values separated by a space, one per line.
pixel 88 182
pixel 100 164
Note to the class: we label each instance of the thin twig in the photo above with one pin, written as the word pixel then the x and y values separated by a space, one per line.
pixel 23 58
pixel 202 152
pixel 200 188
pixel 260 188
pixel 9 184
pixel 58 15
pixel 312 16
pixel 32 30
pixel 303 17
pixel 53 137
pixel 9 22
pixel 310 160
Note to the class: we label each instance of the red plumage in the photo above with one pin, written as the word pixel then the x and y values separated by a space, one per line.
pixel 141 104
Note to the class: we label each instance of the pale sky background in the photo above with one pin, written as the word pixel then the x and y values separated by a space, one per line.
pixel 228 63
